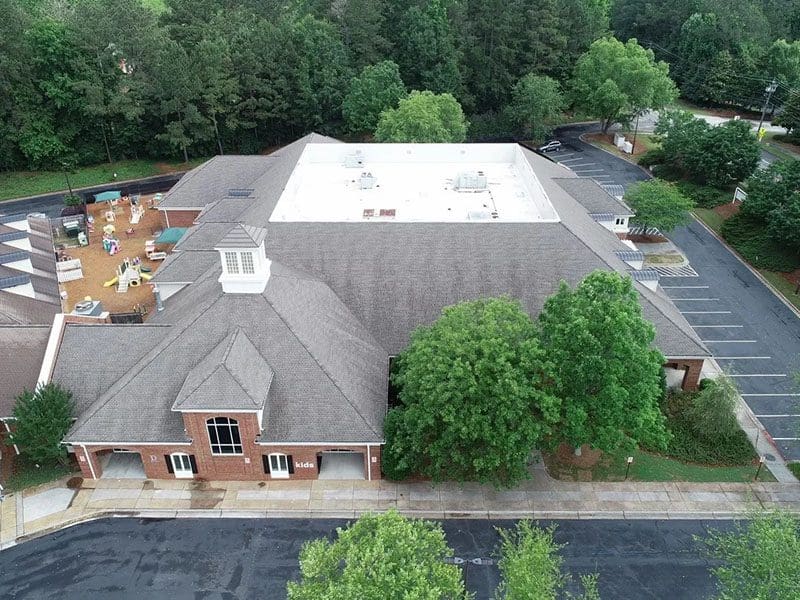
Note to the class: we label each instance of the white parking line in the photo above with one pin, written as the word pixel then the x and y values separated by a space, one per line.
pixel 715 326
pixel 582 171
pixel 786 439
pixel 775 416
pixel 757 375
pixel 742 357
pixel 705 312
pixel 695 299
pixel 771 394
pixel 570 159
pixel 684 287
pixel 581 165
pixel 730 341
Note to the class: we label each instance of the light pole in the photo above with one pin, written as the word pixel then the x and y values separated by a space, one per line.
pixel 770 90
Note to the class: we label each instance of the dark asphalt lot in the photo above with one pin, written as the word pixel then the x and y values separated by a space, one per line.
pixel 51 204
pixel 228 559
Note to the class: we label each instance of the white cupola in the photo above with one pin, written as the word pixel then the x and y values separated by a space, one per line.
pixel 245 266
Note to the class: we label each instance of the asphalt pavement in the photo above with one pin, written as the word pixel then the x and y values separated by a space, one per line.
pixel 254 558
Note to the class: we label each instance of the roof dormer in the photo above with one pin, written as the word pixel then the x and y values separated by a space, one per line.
pixel 245 266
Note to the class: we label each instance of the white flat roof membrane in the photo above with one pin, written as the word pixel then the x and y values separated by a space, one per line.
pixel 428 183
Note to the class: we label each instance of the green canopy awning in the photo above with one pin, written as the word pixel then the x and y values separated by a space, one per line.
pixel 171 235
pixel 106 196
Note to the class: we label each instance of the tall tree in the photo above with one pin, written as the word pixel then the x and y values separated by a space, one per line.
pixel 43 418
pixel 586 21
pixel 471 407
pixel 658 204
pixel 362 24
pixel 423 117
pixel 614 81
pixel 773 197
pixel 219 89
pixel 384 556
pixel 607 373
pixel 426 50
pixel 536 105
pixel 377 88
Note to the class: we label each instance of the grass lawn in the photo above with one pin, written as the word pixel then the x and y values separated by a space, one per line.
pixel 157 6
pixel 711 218
pixel 27 475
pixel 782 150
pixel 795 469
pixel 652 467
pixel 779 282
pixel 28 183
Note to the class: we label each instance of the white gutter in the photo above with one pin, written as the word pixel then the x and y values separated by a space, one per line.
pixel 369 464
pixel 115 443
pixel 320 443
pixel 53 345
pixel 88 457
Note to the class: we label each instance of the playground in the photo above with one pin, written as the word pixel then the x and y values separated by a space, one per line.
pixel 116 262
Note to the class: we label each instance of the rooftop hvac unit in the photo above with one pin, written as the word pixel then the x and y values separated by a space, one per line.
pixel 355 160
pixel 366 181
pixel 471 180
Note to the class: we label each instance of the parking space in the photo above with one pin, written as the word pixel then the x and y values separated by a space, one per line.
pixel 745 351
pixel 582 164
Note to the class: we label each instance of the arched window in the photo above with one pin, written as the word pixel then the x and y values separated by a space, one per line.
pixel 223 433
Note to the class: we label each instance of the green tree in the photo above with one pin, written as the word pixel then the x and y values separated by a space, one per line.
pixel 531 567
pixel 701 41
pixel 471 407
pixel 376 89
pixel 613 81
pixel 607 373
pixel 385 556
pixel 43 418
pixel 773 197
pixel 760 558
pixel 423 117
pixel 362 23
pixel 712 414
pixel 790 114
pixel 726 154
pixel 536 105
pixel 658 204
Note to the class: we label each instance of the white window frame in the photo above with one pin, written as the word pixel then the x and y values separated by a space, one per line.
pixel 231 262
pixel 620 221
pixel 181 465
pixel 247 263
pixel 280 471
pixel 231 424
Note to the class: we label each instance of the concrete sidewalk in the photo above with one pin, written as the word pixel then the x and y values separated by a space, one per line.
pixel 54 506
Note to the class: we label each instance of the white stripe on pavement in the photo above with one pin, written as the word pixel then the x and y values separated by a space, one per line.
pixel 769 394
pixel 775 416
pixel 730 341
pixel 570 159
pixel 695 299
pixel 757 375
pixel 705 312
pixel 786 439
pixel 582 171
pixel 715 326
pixel 684 287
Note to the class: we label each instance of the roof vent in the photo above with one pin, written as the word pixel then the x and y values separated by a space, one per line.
pixel 240 192
pixel 354 160
pixel 471 181
pixel 367 181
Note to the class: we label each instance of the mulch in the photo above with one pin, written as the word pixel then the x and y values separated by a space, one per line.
pixel 727 210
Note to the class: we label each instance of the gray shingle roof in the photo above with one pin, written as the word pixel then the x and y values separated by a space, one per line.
pixel 22 349
pixel 21 310
pixel 326 365
pixel 593 197
pixel 243 236
pixel 233 376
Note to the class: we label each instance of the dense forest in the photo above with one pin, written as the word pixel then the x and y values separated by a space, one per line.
pixel 87 81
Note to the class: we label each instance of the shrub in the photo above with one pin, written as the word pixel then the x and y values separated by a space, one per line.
pixel 43 418
pixel 652 157
pixel 704 196
pixel 749 238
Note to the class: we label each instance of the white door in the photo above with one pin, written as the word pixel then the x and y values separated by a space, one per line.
pixel 182 466
pixel 279 466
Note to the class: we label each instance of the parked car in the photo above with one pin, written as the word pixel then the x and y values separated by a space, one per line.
pixel 550 146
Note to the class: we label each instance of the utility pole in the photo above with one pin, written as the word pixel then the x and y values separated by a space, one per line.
pixel 64 168
pixel 635 131
pixel 770 90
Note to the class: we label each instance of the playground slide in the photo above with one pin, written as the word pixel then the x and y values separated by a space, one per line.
pixel 146 277
pixel 111 282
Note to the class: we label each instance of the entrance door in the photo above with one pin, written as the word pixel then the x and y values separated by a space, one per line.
pixel 182 466
pixel 279 466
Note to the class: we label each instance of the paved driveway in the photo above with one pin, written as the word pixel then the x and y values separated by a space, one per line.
pixel 253 558
pixel 751 333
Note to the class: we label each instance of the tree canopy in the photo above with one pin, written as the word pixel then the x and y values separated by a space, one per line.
pixel 423 117
pixel 773 197
pixel 536 105
pixel 614 81
pixel 607 373
pixel 658 204
pixel 385 556
pixel 760 558
pixel 43 418
pixel 471 401
pixel 376 89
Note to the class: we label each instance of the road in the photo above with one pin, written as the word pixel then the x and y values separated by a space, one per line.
pixel 751 333
pixel 51 204
pixel 180 559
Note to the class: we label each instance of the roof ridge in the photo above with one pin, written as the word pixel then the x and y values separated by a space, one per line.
pixel 236 333
pixel 322 368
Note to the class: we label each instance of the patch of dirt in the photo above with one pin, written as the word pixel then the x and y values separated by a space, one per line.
pixel 727 210
pixel 99 266
pixel 164 168
pixel 792 277
pixel 74 483
pixel 674 258
pixel 588 458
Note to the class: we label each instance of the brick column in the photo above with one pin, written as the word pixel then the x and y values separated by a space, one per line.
pixel 83 461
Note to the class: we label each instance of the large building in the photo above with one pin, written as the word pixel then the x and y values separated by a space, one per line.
pixel 302 274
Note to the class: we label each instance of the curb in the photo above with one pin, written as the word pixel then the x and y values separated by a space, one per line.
pixel 630 162
pixel 752 269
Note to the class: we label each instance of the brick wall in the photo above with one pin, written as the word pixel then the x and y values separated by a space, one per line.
pixel 693 367
pixel 179 218
pixel 248 466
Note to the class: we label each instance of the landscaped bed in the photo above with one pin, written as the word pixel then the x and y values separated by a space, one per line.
pixel 29 475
